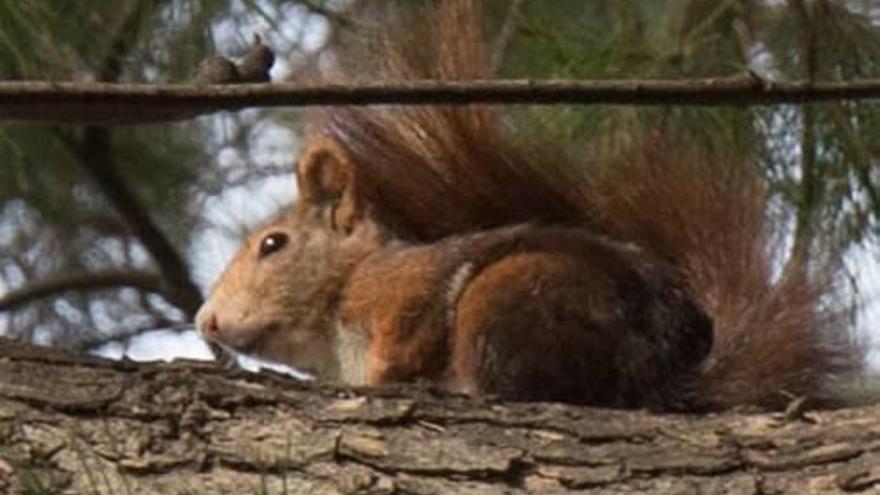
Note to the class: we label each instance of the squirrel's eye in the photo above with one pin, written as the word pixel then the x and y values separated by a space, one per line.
pixel 272 243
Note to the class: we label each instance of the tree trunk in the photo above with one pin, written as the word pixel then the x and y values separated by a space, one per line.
pixel 80 425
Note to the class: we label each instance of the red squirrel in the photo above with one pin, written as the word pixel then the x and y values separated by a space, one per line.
pixel 428 244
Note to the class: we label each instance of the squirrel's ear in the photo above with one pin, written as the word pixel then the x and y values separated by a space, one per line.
pixel 325 176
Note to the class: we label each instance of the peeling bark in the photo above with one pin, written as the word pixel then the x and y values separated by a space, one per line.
pixel 72 424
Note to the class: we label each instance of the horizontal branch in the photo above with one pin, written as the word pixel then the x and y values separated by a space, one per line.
pixel 105 103
pixel 87 281
pixel 142 428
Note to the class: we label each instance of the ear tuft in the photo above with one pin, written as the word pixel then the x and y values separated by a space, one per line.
pixel 325 175
pixel 324 172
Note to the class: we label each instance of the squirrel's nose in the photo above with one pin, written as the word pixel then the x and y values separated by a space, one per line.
pixel 209 326
pixel 212 326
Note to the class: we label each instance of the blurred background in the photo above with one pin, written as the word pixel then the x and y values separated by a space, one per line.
pixel 109 237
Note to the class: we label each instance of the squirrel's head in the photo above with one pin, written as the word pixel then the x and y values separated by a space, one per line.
pixel 278 297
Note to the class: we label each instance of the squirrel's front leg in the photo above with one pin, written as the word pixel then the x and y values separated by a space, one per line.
pixel 395 310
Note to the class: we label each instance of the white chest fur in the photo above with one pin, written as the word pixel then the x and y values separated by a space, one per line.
pixel 352 351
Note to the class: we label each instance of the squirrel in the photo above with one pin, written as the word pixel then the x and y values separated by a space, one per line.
pixel 427 244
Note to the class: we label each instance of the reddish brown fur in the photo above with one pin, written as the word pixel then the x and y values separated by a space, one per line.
pixel 773 334
pixel 397 294
pixel 500 311
pixel 435 171
pixel 426 245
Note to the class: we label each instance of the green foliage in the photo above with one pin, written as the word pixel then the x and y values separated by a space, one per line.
pixel 634 40
pixel 639 39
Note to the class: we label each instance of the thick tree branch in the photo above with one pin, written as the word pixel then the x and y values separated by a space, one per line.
pixel 193 428
pixel 105 103
pixel 87 281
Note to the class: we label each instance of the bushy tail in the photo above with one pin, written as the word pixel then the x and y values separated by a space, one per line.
pixel 776 335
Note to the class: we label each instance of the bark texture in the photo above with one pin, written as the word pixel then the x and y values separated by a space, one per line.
pixel 88 426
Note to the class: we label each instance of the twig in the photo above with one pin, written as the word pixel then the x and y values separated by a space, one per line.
pixel 331 15
pixel 87 281
pixel 506 33
pixel 119 104
pixel 92 342
pixel 96 159
pixel 810 188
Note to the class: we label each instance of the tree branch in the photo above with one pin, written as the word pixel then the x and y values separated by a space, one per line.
pixel 119 104
pixel 332 15
pixel 504 36
pixel 811 184
pixel 96 159
pixel 93 342
pixel 142 428
pixel 86 281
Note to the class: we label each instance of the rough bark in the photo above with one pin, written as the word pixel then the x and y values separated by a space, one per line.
pixel 84 425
